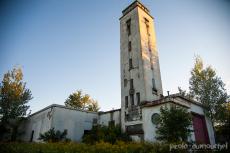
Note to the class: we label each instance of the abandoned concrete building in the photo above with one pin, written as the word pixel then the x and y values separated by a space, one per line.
pixel 141 91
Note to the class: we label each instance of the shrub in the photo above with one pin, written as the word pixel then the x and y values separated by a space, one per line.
pixel 174 124
pixel 109 134
pixel 53 136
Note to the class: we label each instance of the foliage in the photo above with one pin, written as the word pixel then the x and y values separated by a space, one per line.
pixel 174 124
pixel 109 134
pixel 208 88
pixel 223 129
pixel 13 99
pixel 100 147
pixel 53 136
pixel 81 101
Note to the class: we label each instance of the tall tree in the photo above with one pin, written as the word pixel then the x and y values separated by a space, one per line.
pixel 81 101
pixel 14 97
pixel 174 124
pixel 208 88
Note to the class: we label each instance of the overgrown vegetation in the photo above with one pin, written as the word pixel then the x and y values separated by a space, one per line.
pixel 54 136
pixel 100 147
pixel 206 87
pixel 14 97
pixel 109 134
pixel 174 124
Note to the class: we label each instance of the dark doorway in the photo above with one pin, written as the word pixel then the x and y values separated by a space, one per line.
pixel 200 129
pixel 32 136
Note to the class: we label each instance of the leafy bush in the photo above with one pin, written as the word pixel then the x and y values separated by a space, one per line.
pixel 174 124
pixel 53 136
pixel 109 134
pixel 99 147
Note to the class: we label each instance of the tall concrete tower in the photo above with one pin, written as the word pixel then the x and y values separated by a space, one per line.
pixel 140 70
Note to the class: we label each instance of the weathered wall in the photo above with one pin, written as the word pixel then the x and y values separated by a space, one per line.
pixel 39 122
pixel 144 60
pixel 61 118
pixel 150 129
pixel 113 115
pixel 75 122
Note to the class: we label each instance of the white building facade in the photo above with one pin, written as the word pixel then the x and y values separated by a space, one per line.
pixel 141 92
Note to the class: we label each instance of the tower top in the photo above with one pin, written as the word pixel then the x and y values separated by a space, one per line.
pixel 133 5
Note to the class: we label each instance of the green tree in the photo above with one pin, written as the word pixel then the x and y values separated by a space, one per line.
pixel 207 88
pixel 14 97
pixel 81 101
pixel 174 125
pixel 53 136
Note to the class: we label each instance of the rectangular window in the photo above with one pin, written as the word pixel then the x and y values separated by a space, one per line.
pixel 128 24
pixel 138 98
pixel 131 83
pixel 154 86
pixel 132 99
pixel 126 101
pixel 130 46
pixel 125 82
pixel 130 63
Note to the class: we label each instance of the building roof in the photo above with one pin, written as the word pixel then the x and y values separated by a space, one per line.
pixel 133 5
pixel 171 98
pixel 59 106
pixel 110 111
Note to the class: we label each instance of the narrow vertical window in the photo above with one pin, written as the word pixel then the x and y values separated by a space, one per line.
pixel 126 101
pixel 128 24
pixel 154 86
pixel 138 98
pixel 147 26
pixel 125 82
pixel 130 46
pixel 130 63
pixel 132 99
pixel 131 83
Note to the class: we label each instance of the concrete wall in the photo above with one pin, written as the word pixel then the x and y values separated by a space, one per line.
pixel 150 129
pixel 143 55
pixel 113 115
pixel 74 121
pixel 39 122
pixel 61 118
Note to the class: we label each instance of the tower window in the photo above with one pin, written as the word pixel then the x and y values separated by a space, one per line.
pixel 147 25
pixel 130 63
pixel 126 101
pixel 129 46
pixel 154 86
pixel 125 82
pixel 132 99
pixel 128 25
pixel 138 98
pixel 131 83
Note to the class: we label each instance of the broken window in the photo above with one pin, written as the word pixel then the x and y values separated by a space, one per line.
pixel 130 63
pixel 132 99
pixel 125 82
pixel 126 101
pixel 147 26
pixel 134 129
pixel 129 46
pixel 128 25
pixel 138 98
pixel 154 86
pixel 131 83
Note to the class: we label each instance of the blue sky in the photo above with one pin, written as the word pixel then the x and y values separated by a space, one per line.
pixel 68 45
